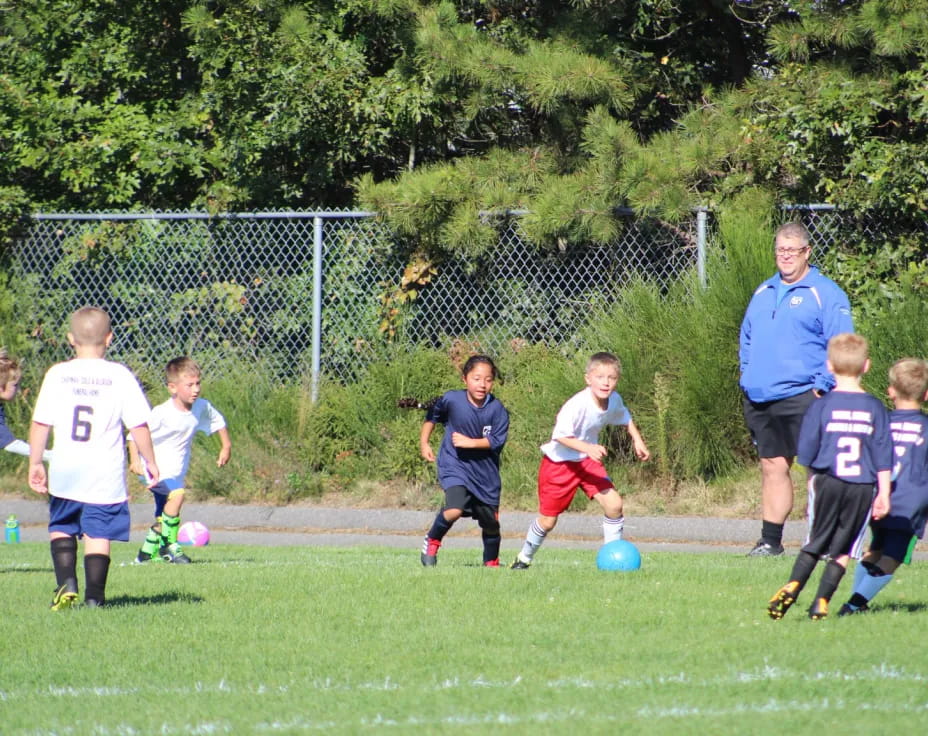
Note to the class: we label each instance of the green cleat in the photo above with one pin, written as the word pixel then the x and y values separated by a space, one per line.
pixel 782 600
pixel 64 598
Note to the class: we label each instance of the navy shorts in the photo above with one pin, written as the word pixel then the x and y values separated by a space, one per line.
pixel 839 513
pixel 94 520
pixel 458 497
pixel 895 543
pixel 774 425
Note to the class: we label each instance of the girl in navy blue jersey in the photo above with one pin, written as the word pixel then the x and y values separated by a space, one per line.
pixel 476 426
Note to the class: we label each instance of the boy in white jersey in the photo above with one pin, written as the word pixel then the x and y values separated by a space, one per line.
pixel 87 401
pixel 174 425
pixel 574 458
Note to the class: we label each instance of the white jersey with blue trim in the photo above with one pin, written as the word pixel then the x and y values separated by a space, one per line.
pixel 87 402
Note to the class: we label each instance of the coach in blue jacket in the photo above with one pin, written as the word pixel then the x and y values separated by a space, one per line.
pixel 784 338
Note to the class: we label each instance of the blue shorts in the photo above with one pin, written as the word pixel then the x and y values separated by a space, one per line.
pixel 98 521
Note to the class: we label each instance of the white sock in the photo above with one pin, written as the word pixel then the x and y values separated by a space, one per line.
pixel 612 529
pixel 871 585
pixel 533 540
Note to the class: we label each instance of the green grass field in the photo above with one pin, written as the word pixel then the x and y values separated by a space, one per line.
pixel 288 640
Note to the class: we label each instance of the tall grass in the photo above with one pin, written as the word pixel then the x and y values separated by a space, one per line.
pixel 292 640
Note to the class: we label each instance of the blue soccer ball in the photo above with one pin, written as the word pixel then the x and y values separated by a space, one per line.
pixel 619 554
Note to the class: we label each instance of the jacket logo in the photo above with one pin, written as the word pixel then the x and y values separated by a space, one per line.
pixel 795 301
pixel 487 430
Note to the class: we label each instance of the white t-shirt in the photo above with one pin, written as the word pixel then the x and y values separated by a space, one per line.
pixel 581 417
pixel 86 402
pixel 172 432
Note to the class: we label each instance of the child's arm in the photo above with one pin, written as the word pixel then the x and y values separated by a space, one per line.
pixel 38 439
pixel 425 449
pixel 881 502
pixel 641 449
pixel 141 438
pixel 135 462
pixel 469 443
pixel 225 452
pixel 18 447
pixel 594 452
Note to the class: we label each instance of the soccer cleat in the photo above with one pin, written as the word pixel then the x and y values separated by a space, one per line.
pixel 94 603
pixel 429 555
pixel 819 609
pixel 782 600
pixel 173 553
pixel 848 610
pixel 519 565
pixel 142 557
pixel 764 549
pixel 64 598
pixel 491 563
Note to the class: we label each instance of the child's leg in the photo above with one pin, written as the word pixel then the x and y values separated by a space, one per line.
pixel 827 586
pixel 152 545
pixel 64 561
pixel 488 519
pixel 875 571
pixel 613 520
pixel 170 517
pixel 96 570
pixel 533 540
pixel 455 499
pixel 786 596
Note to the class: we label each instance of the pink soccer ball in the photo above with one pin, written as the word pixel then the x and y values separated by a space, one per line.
pixel 193 533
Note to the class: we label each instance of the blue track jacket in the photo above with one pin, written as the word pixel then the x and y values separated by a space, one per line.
pixel 784 345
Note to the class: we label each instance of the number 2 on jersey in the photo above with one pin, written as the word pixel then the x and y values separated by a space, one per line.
pixel 846 465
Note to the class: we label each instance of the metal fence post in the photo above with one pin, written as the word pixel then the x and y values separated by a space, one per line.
pixel 701 216
pixel 317 308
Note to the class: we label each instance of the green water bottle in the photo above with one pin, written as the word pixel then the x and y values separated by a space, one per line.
pixel 12 529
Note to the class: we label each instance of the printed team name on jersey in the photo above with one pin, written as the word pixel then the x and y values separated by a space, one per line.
pixel 909 433
pixel 850 422
pixel 83 385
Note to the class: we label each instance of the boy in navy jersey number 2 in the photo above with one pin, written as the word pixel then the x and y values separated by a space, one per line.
pixel 846 446
pixel 476 427
pixel 895 535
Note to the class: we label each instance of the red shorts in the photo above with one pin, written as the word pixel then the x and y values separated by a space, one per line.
pixel 558 483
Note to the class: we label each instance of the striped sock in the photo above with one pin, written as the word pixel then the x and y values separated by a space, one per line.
pixel 612 529
pixel 533 540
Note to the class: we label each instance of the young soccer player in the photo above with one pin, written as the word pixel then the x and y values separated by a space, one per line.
pixel 476 427
pixel 173 426
pixel 895 535
pixel 573 458
pixel 86 402
pixel 845 444
pixel 10 374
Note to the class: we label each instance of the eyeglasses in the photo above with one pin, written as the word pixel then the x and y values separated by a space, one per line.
pixel 791 252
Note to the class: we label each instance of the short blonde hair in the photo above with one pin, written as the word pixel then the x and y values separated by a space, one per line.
pixel 598 359
pixel 848 354
pixel 178 367
pixel 90 326
pixel 10 369
pixel 909 378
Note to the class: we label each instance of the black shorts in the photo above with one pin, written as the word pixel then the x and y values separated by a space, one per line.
pixel 458 497
pixel 895 543
pixel 839 513
pixel 774 425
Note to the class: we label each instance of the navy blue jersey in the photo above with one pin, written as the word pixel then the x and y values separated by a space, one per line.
pixel 908 504
pixel 846 434
pixel 6 436
pixel 476 470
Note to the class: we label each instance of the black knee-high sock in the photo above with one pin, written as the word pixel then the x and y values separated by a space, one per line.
pixel 440 527
pixel 491 542
pixel 96 569
pixel 802 568
pixel 830 581
pixel 64 560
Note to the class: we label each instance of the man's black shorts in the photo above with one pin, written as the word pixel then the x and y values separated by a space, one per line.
pixel 774 425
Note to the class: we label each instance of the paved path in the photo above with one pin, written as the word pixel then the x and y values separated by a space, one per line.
pixel 343 527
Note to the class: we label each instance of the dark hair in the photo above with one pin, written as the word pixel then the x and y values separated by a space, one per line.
pixel 474 360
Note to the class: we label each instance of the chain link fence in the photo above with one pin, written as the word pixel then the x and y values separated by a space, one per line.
pixel 287 295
